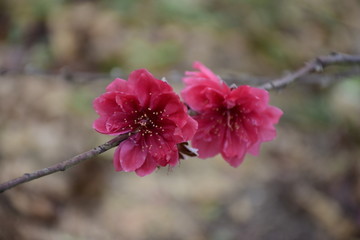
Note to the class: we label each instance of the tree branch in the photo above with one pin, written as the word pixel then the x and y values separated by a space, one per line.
pixel 62 166
pixel 316 65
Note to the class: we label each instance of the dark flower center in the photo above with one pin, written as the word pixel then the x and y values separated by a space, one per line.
pixel 149 122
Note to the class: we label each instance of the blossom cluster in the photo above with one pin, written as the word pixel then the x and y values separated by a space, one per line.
pixel 230 121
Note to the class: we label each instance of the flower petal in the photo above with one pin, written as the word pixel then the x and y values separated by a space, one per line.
pixel 106 104
pixel 210 135
pixel 132 155
pixel 128 103
pixel 148 167
pixel 118 85
pixel 189 129
pixel 250 98
pixel 173 158
pixel 146 86
pixel 234 149
pixel 100 125
pixel 234 161
pixel 273 114
pixel 169 106
pixel 160 149
pixel 119 123
pixel 205 73
pixel 116 160
pixel 255 148
pixel 201 98
pixel 205 78
pixel 267 134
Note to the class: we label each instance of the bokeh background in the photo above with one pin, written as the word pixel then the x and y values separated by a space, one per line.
pixel 57 56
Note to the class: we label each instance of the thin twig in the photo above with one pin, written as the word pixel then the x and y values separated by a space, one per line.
pixel 62 166
pixel 316 65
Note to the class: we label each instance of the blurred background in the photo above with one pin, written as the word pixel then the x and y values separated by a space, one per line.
pixel 57 56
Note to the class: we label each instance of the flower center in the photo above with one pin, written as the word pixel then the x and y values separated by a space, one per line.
pixel 232 117
pixel 143 122
pixel 148 122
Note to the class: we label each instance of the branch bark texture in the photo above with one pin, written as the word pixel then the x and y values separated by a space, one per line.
pixel 315 65
pixel 62 166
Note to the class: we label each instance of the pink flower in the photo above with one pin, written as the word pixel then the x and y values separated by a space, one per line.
pixel 232 122
pixel 150 109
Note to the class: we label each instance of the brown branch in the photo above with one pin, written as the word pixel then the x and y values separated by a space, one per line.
pixel 62 166
pixel 316 65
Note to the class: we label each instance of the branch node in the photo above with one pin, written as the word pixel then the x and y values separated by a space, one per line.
pixel 100 148
pixel 318 64
pixel 319 67
pixel 272 84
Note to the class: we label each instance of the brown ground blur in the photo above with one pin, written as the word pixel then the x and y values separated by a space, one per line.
pixel 303 185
